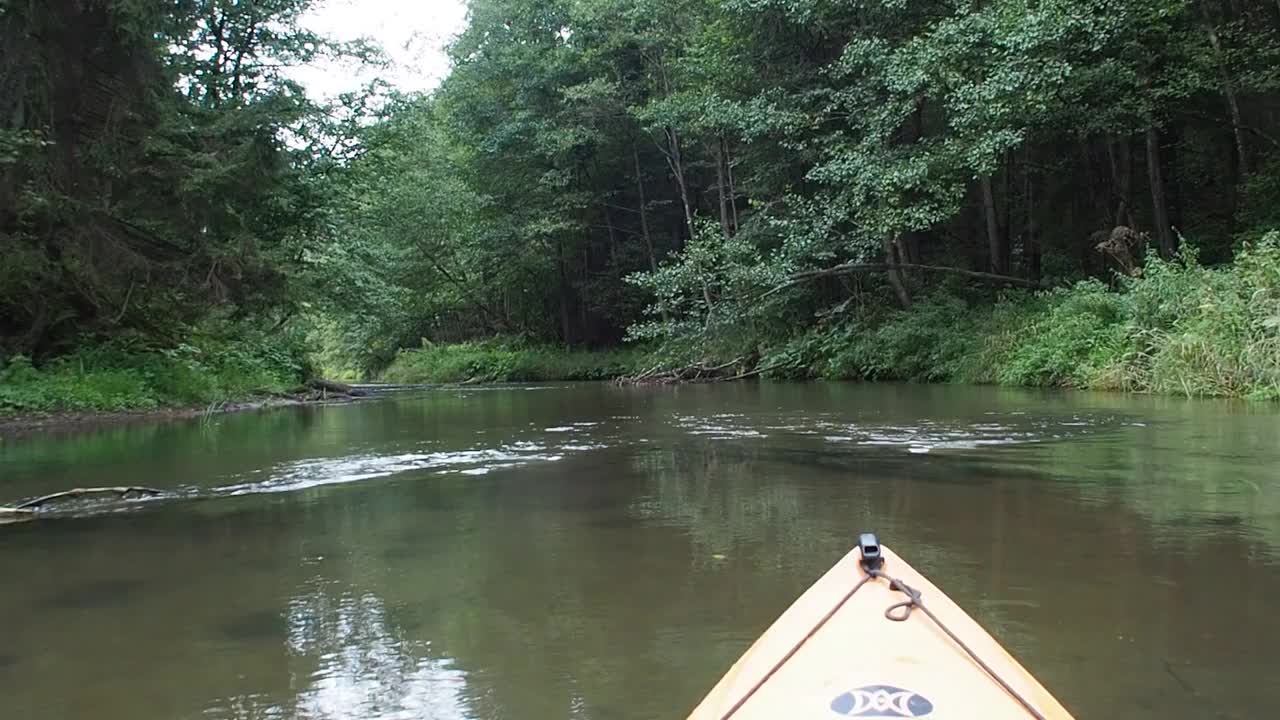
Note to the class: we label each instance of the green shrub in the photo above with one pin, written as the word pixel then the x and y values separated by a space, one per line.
pixel 507 360
pixel 1078 334
pixel 124 375
pixel 927 342
pixel 1223 335
pixel 1179 328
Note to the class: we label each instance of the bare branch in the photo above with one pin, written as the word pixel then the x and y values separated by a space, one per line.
pixel 124 491
pixel 855 268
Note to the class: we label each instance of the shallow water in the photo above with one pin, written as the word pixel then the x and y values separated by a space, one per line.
pixel 591 552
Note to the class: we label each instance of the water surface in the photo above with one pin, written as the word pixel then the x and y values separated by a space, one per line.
pixel 598 553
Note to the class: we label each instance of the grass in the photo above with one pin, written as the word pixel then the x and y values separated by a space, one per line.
pixel 504 360
pixel 1181 328
pixel 119 376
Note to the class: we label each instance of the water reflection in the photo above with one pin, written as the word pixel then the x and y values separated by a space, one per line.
pixel 364 669
pixel 621 549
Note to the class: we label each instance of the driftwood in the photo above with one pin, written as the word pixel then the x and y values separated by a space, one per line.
pixel 855 268
pixel 14 515
pixel 28 509
pixel 122 491
pixel 694 373
pixel 335 388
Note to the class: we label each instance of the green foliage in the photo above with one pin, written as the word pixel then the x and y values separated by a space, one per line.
pixel 158 169
pixel 1199 331
pixel 504 360
pixel 1180 328
pixel 1070 342
pixel 125 375
pixel 683 173
pixel 926 343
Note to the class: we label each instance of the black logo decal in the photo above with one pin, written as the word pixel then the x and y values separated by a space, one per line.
pixel 882 701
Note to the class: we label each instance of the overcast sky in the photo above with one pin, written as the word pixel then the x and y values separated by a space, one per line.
pixel 412 33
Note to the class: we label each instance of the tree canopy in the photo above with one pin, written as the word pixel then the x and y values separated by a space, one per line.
pixel 683 171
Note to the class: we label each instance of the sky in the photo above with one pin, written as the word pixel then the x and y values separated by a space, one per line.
pixel 412 33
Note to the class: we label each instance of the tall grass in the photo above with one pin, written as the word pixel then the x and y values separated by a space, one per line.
pixel 507 360
pixel 124 376
pixel 1179 328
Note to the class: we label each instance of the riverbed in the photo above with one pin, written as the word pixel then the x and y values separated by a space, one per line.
pixel 599 553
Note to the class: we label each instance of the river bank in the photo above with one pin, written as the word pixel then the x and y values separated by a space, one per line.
pixel 115 382
pixel 19 425
pixel 1179 328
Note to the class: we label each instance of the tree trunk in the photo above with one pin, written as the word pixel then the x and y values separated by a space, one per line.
pixel 909 245
pixel 644 213
pixel 1159 208
pixel 676 161
pixel 613 237
pixel 994 247
pixel 895 273
pixel 1233 105
pixel 1122 179
pixel 565 332
pixel 584 315
pixel 1031 246
pixel 733 191
pixel 722 182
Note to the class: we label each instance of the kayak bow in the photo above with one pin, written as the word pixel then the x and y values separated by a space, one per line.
pixel 874 639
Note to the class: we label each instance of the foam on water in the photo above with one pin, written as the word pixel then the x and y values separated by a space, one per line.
pixel 919 437
pixel 305 474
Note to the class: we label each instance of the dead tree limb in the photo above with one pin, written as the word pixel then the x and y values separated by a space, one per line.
pixel 33 505
pixel 336 388
pixel 855 268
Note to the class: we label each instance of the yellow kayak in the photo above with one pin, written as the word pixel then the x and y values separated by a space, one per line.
pixel 874 639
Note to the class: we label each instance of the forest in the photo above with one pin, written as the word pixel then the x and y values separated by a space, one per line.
pixel 1077 193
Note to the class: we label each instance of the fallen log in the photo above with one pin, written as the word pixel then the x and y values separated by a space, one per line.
pixel 31 506
pixel 694 373
pixel 336 388
pixel 13 514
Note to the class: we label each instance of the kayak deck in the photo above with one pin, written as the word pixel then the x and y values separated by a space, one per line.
pixel 860 663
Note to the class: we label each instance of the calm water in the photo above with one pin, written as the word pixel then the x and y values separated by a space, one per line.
pixel 596 553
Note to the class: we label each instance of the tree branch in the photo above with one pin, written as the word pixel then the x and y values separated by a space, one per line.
pixel 80 492
pixel 855 268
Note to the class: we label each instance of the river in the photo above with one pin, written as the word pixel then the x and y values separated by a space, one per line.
pixel 596 553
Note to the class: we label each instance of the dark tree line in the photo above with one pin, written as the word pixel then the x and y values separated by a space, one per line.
pixel 689 156
pixel 594 169
pixel 145 180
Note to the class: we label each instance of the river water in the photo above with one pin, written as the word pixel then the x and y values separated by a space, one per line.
pixel 597 553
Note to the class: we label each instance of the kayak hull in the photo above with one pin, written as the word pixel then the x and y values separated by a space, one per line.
pixel 832 654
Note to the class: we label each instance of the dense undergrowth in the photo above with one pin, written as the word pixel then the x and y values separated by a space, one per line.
pixel 120 375
pixel 507 360
pixel 1179 328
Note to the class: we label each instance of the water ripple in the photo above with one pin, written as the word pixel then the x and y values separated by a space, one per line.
pixel 915 437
